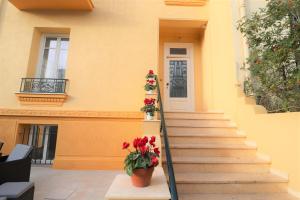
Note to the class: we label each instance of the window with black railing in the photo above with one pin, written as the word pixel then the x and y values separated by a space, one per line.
pixel 43 85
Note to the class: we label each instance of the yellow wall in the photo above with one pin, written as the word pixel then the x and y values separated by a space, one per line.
pixel 110 51
pixel 7 130
pixel 88 142
pixel 277 135
pixel 94 144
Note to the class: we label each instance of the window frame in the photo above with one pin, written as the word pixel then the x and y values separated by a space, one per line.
pixel 42 49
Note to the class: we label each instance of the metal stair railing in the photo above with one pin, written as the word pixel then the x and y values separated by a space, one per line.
pixel 163 129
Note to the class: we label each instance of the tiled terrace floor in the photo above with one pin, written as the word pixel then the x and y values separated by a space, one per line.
pixel 54 184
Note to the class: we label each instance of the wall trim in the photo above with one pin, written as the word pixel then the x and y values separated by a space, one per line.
pixel 70 114
pixel 42 99
pixel 186 2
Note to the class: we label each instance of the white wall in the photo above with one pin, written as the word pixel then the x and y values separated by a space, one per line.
pixel 254 5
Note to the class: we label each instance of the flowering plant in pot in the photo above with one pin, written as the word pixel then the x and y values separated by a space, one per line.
pixel 140 163
pixel 149 108
pixel 150 86
pixel 150 74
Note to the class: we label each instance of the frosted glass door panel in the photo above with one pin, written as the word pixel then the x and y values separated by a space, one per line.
pixel 178 78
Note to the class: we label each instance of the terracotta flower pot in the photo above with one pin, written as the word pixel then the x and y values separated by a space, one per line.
pixel 142 177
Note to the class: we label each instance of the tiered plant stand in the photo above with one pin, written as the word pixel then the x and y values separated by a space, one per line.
pixel 152 127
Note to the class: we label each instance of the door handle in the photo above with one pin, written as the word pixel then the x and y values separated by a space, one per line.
pixel 167 84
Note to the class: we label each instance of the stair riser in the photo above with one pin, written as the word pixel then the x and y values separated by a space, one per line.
pixel 199 123
pixel 213 152
pixel 234 188
pixel 217 168
pixel 194 116
pixel 181 130
pixel 201 140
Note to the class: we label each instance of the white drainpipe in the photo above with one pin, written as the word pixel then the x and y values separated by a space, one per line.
pixel 245 46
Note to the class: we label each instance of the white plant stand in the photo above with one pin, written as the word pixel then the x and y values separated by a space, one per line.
pixel 122 189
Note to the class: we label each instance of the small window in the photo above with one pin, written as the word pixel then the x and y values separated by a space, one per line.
pixel 178 51
pixel 54 53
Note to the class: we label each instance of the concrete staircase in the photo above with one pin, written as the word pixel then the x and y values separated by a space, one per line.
pixel 213 161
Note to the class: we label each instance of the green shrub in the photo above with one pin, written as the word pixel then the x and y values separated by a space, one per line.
pixel 273 34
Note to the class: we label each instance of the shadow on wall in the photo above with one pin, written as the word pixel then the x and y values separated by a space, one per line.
pixel 3 4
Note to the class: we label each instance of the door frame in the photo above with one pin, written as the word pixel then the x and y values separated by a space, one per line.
pixel 190 76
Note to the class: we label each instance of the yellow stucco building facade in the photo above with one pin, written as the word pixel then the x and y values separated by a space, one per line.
pixel 93 57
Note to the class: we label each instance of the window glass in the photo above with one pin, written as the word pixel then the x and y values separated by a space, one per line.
pixel 178 51
pixel 54 58
pixel 51 43
pixel 64 43
pixel 178 78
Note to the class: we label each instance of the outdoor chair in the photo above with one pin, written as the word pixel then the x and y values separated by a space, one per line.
pixel 1 145
pixel 16 166
pixel 17 191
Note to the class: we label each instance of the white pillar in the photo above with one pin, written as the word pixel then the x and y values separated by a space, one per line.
pixel 244 42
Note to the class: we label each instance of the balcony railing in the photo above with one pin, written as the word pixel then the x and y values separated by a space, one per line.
pixel 43 85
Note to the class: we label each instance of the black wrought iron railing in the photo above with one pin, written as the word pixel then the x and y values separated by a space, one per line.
pixel 163 129
pixel 43 85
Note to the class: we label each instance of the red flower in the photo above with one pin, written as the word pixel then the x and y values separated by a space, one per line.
pixel 152 140
pixel 153 101
pixel 151 81
pixel 151 72
pixel 142 143
pixel 136 142
pixel 145 140
pixel 156 150
pixel 143 149
pixel 149 101
pixel 125 145
pixel 154 161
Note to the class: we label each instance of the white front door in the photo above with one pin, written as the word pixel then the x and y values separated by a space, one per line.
pixel 179 77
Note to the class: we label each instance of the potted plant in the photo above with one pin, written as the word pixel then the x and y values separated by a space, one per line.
pixel 150 75
pixel 149 108
pixel 140 163
pixel 150 86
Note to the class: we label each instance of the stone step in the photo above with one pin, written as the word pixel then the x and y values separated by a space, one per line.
pixel 199 123
pixel 219 164
pixel 202 130
pixel 262 196
pixel 194 115
pixel 211 150
pixel 187 138
pixel 229 183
